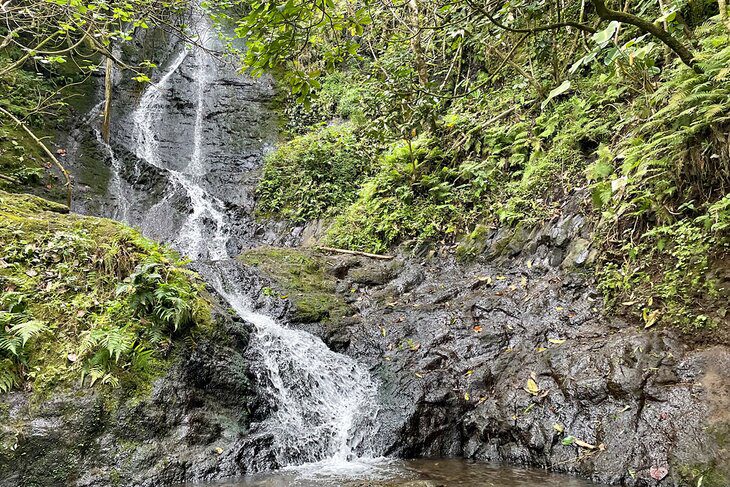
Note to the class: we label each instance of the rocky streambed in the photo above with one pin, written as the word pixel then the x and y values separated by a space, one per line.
pixel 508 358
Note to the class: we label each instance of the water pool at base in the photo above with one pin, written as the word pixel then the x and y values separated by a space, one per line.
pixel 408 473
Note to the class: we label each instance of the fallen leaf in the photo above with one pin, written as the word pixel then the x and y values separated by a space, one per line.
pixel 523 281
pixel 420 376
pixel 477 329
pixel 558 427
pixel 583 444
pixel 540 349
pixel 556 341
pixel 466 396
pixel 650 319
pixel 532 387
pixel 658 473
pixel 219 450
pixel 568 440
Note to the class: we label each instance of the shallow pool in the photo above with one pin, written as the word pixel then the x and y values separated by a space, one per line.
pixel 407 473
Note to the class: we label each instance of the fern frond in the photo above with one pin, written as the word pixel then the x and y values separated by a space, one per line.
pixel 29 329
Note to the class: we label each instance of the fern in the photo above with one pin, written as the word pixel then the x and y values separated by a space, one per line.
pixel 28 330
pixel 9 377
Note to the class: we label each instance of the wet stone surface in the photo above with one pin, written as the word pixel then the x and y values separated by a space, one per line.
pixel 510 359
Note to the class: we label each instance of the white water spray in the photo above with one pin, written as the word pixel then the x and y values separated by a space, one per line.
pixel 326 403
pixel 193 239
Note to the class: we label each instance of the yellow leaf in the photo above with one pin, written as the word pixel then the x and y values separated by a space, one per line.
pixel 532 387
pixel 556 341
pixel 558 427
pixel 219 450
pixel 650 319
pixel 524 281
pixel 383 331
pixel 540 349
pixel 466 396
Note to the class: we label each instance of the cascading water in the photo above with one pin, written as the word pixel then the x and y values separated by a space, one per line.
pixel 326 403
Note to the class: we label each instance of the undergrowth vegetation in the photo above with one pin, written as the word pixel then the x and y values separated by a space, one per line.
pixel 87 301
pixel 640 140
pixel 315 173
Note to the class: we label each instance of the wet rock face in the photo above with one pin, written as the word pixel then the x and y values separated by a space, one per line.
pixel 510 359
pixel 207 112
pixel 191 427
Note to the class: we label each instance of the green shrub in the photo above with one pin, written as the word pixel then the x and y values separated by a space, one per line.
pixel 414 195
pixel 665 201
pixel 314 174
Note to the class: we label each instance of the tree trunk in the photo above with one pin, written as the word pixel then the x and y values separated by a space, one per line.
pixel 417 47
pixel 108 81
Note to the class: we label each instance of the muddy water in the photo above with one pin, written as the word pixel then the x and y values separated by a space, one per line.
pixel 410 473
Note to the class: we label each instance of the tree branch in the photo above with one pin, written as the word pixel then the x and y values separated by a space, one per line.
pixel 557 25
pixel 46 150
pixel 645 26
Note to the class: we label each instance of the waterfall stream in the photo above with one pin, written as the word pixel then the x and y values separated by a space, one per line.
pixel 326 403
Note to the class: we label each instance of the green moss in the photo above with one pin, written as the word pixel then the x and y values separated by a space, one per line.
pixel 472 244
pixel 706 475
pixel 64 89
pixel 301 277
pixel 313 174
pixel 87 301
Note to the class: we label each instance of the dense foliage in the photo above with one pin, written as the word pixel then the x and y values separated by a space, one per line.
pixel 315 173
pixel 496 114
pixel 86 300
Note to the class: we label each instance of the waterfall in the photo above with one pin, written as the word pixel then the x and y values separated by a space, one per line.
pixel 193 239
pixel 326 403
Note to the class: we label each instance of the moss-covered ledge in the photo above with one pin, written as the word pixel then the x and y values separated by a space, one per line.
pixel 300 276
pixel 88 302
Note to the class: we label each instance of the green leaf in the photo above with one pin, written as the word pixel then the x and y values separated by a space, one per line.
pixel 602 37
pixel 564 86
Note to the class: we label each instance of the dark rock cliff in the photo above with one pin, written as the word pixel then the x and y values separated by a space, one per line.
pixel 512 359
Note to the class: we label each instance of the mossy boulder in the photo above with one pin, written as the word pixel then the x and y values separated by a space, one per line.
pixel 87 301
pixel 301 278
